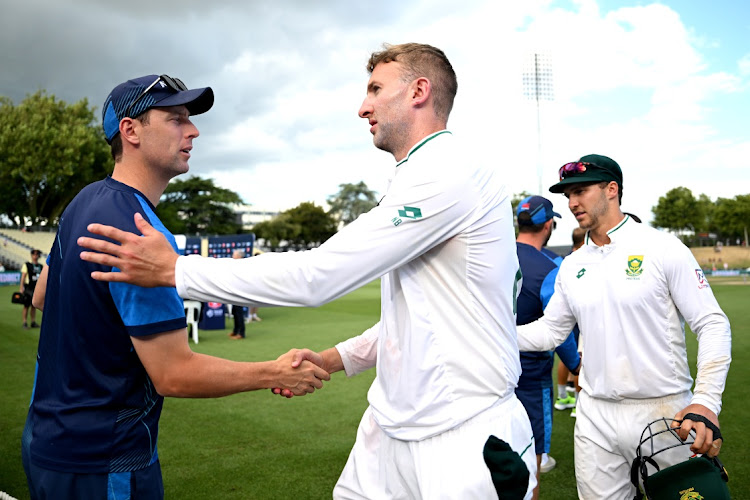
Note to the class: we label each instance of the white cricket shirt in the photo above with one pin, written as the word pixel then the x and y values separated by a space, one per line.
pixel 631 298
pixel 442 240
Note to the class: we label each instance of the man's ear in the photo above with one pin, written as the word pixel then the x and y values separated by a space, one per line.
pixel 613 189
pixel 129 130
pixel 421 91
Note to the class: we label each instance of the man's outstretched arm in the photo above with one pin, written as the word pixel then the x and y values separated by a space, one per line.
pixel 146 261
pixel 40 292
pixel 177 371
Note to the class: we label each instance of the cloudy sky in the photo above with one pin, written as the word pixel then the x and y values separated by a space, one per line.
pixel 663 88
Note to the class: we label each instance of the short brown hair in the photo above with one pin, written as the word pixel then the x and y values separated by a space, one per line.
pixel 531 228
pixel 421 60
pixel 115 147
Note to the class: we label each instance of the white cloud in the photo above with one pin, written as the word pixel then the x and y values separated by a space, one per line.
pixel 636 83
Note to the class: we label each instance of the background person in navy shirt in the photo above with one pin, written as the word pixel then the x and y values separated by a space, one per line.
pixel 539 267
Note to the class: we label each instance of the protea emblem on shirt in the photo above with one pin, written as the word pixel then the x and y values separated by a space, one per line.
pixel 635 266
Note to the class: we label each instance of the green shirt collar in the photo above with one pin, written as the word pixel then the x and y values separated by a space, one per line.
pixel 420 144
pixel 609 233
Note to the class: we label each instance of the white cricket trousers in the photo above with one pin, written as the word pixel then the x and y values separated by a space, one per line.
pixel 448 466
pixel 607 434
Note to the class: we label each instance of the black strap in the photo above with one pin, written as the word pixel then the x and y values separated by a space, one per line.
pixel 639 469
pixel 722 469
pixel 700 418
pixel 635 469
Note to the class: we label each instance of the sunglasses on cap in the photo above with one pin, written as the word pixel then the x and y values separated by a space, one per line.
pixel 173 83
pixel 576 167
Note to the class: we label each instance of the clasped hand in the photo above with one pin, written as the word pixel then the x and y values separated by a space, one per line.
pixel 300 373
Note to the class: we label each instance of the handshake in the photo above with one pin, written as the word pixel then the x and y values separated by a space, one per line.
pixel 301 371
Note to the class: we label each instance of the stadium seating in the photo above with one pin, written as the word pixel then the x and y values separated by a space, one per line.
pixel 37 239
pixel 15 246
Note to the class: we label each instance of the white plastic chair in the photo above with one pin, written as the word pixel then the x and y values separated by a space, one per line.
pixel 192 313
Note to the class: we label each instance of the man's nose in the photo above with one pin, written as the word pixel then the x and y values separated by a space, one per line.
pixel 365 110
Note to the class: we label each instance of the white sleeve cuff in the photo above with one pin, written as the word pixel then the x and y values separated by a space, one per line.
pixel 178 277
pixel 710 403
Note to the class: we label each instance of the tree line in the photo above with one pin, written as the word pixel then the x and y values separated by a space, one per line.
pixel 701 219
pixel 50 149
pixel 308 225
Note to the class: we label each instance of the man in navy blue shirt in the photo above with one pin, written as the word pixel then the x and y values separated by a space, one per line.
pixel 109 353
pixel 539 267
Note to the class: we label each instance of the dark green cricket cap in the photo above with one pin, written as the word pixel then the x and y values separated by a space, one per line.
pixel 507 469
pixel 695 478
pixel 600 169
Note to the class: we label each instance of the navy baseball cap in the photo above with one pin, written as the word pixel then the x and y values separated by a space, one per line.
pixel 537 210
pixel 138 95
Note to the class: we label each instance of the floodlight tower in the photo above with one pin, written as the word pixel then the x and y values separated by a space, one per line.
pixel 537 86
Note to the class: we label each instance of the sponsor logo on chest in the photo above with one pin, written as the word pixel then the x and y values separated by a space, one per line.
pixel 635 267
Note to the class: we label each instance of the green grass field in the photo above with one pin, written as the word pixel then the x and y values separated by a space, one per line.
pixel 260 446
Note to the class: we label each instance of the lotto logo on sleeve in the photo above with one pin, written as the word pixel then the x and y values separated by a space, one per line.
pixel 406 213
pixel 410 213
pixel 702 281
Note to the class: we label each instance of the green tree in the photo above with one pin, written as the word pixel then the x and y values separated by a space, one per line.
pixel 304 226
pixel 706 208
pixel 731 217
pixel 197 206
pixel 276 230
pixel 351 201
pixel 49 150
pixel 678 210
pixel 316 226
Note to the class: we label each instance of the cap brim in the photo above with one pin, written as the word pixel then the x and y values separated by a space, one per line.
pixel 586 178
pixel 197 101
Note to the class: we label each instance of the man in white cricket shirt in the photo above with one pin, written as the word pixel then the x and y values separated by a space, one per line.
pixel 630 288
pixel 445 347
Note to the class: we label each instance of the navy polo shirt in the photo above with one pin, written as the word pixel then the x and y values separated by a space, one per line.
pixel 94 408
pixel 539 269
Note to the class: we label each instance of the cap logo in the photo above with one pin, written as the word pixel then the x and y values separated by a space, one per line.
pixel 690 494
